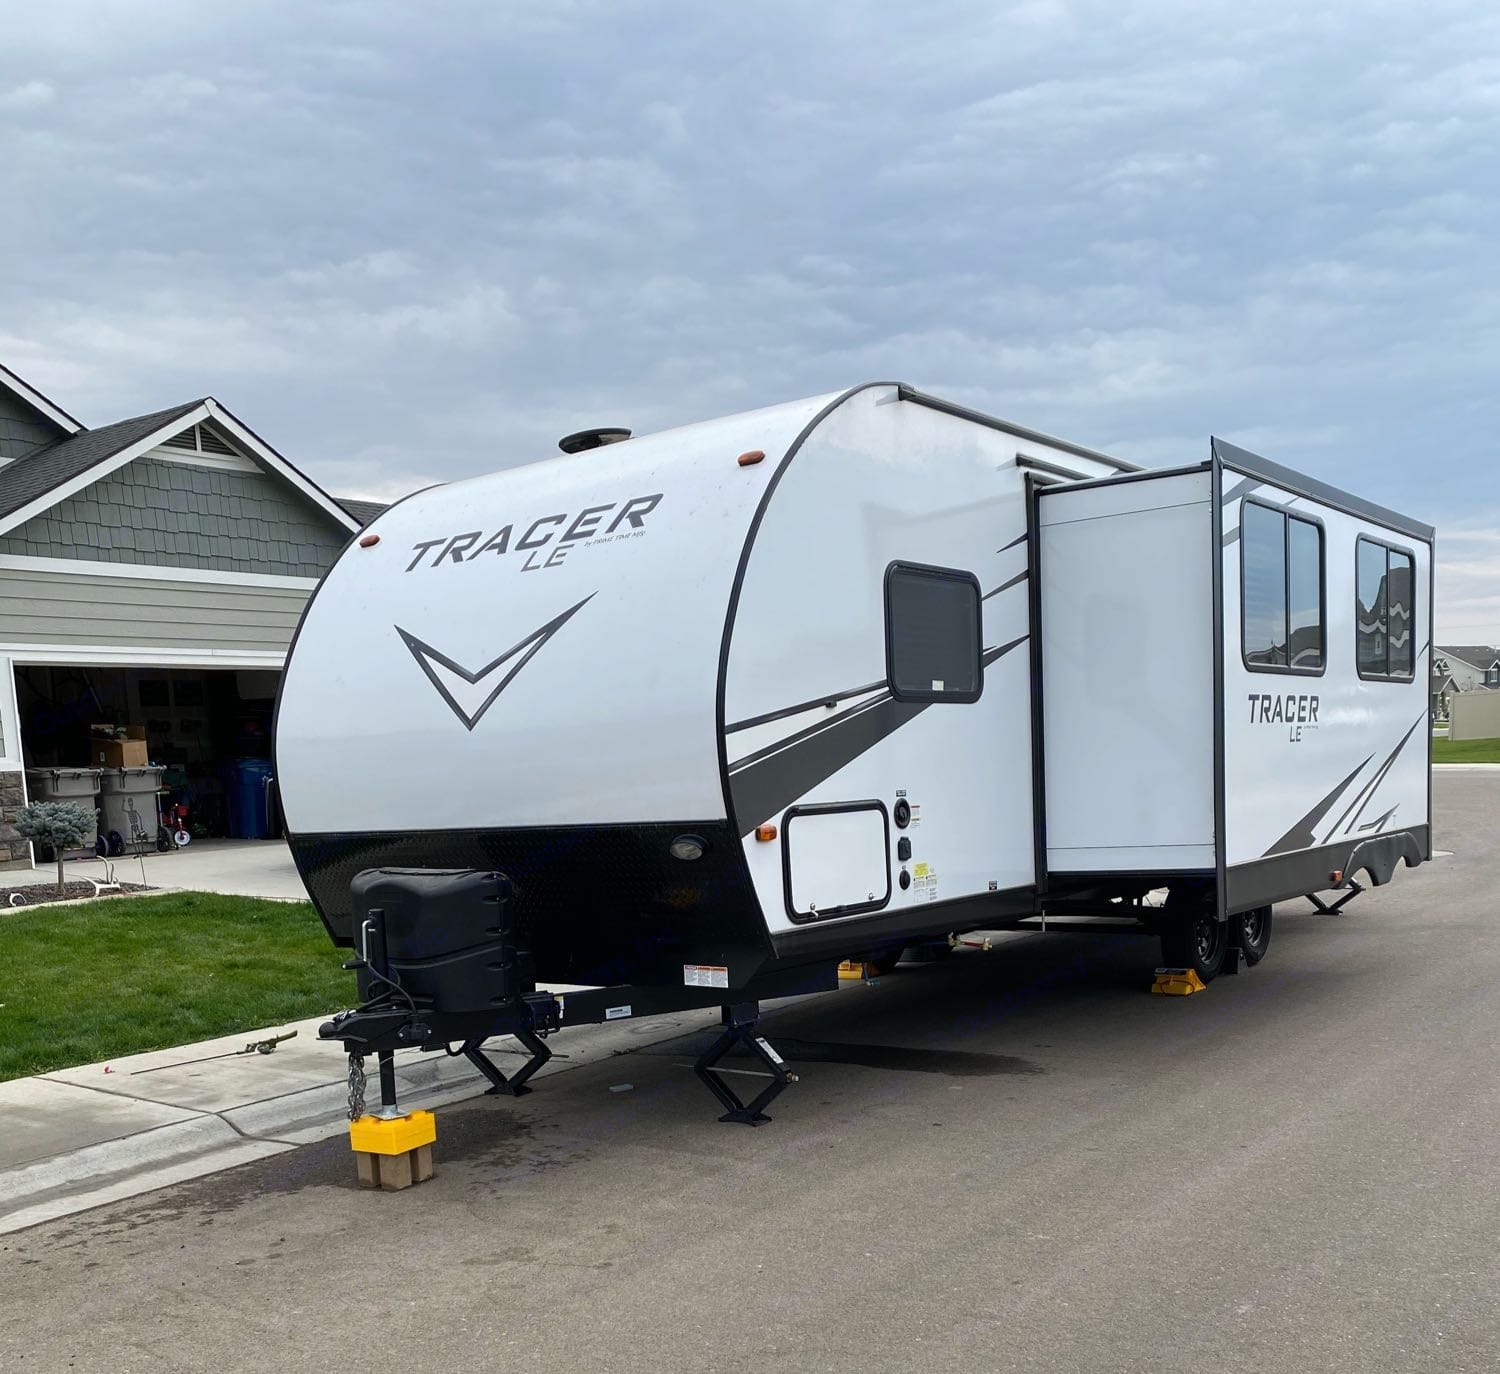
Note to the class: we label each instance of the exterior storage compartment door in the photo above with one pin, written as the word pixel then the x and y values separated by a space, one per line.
pixel 836 859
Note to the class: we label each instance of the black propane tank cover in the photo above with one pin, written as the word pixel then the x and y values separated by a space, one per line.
pixel 447 936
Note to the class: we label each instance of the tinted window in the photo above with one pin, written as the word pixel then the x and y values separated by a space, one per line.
pixel 1281 585
pixel 1305 593
pixel 1263 568
pixel 1372 637
pixel 932 627
pixel 1398 584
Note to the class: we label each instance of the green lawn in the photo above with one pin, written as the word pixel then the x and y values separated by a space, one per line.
pixel 1466 751
pixel 101 979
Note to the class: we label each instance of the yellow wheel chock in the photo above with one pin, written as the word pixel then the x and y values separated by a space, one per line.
pixel 1178 982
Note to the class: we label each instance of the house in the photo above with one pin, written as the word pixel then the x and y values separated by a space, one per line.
pixel 1462 668
pixel 152 572
pixel 1471 666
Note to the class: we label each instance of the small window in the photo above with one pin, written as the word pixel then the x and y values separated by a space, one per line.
pixel 1384 582
pixel 932 634
pixel 1281 590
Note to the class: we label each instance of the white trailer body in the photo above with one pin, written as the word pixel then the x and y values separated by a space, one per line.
pixel 716 714
pixel 1231 686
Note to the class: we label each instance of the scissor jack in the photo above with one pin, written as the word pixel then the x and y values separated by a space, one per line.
pixel 741 1021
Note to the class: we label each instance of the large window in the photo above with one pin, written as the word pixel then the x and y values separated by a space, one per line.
pixel 932 634
pixel 1384 582
pixel 1281 584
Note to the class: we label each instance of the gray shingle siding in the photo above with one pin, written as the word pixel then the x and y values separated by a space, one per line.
pixel 167 513
pixel 70 608
pixel 22 430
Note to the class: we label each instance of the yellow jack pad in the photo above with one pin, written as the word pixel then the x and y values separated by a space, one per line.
pixel 853 970
pixel 378 1135
pixel 1178 982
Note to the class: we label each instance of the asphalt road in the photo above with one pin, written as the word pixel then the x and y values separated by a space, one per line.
pixel 1014 1160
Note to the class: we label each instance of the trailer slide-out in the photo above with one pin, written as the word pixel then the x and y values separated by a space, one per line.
pixel 687 718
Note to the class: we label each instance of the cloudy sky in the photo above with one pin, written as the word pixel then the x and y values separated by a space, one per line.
pixel 409 242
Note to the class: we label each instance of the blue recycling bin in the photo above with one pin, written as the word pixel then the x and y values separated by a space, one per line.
pixel 249 799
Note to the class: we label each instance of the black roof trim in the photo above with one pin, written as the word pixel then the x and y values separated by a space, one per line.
pixel 1252 465
pixel 27 391
pixel 978 417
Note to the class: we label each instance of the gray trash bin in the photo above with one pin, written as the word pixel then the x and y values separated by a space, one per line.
pixel 70 785
pixel 127 796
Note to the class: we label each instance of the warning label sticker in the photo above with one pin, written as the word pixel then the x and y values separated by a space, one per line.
pixel 705 976
pixel 616 1013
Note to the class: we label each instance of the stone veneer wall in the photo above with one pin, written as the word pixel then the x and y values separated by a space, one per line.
pixel 14 850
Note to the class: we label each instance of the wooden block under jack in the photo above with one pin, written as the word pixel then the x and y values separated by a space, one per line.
pixel 394 1172
pixel 393 1153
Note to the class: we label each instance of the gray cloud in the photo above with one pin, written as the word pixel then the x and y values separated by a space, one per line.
pixel 417 242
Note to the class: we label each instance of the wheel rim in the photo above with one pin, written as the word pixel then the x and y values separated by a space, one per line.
pixel 1206 939
pixel 1255 926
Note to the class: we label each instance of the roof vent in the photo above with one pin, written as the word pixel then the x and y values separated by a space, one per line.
pixel 586 439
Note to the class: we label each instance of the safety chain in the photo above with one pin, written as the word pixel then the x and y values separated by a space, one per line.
pixel 356 1086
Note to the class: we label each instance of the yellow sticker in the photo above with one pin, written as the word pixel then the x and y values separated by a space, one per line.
pixel 919 870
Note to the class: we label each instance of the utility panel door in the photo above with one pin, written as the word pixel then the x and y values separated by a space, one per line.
pixel 837 860
pixel 1127 674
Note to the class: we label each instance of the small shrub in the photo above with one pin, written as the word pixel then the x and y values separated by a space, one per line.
pixel 60 825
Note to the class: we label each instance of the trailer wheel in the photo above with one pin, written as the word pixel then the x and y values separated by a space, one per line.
pixel 1192 936
pixel 1254 931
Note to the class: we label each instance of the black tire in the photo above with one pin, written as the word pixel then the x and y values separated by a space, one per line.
pixel 883 963
pixel 1192 936
pixel 101 847
pixel 1253 934
pixel 116 843
pixel 163 840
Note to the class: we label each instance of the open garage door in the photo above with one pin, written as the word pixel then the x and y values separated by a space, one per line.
pixel 207 729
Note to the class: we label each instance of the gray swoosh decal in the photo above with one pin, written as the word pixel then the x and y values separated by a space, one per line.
pixel 1367 792
pixel 1006 586
pixel 1301 836
pixel 767 782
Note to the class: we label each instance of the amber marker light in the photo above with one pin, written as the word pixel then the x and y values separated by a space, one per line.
pixel 369 541
pixel 751 457
pixel 765 833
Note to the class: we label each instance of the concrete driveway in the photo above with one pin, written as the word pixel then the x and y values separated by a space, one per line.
pixel 242 868
pixel 1011 1161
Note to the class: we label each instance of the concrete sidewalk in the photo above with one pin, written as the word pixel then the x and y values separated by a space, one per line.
pixel 76 1138
pixel 238 868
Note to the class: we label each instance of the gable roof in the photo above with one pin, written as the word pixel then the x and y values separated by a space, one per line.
pixel 44 406
pixel 363 511
pixel 1480 656
pixel 24 480
pixel 41 479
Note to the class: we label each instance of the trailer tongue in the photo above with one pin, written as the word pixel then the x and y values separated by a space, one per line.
pixel 440 963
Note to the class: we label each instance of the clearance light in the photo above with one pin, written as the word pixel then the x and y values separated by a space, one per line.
pixel 688 847
pixel 369 541
pixel 752 457
pixel 765 833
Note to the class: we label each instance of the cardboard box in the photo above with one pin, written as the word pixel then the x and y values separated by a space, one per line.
pixel 120 753
pixel 135 732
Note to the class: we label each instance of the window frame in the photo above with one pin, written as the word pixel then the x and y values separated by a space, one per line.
pixel 927 697
pixel 1409 554
pixel 1307 518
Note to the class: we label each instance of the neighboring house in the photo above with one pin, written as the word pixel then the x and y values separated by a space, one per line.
pixel 1472 667
pixel 1462 668
pixel 152 572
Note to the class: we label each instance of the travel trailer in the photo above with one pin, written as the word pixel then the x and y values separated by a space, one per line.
pixel 688 718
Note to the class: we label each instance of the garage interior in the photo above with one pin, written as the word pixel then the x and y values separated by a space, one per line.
pixel 198 724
